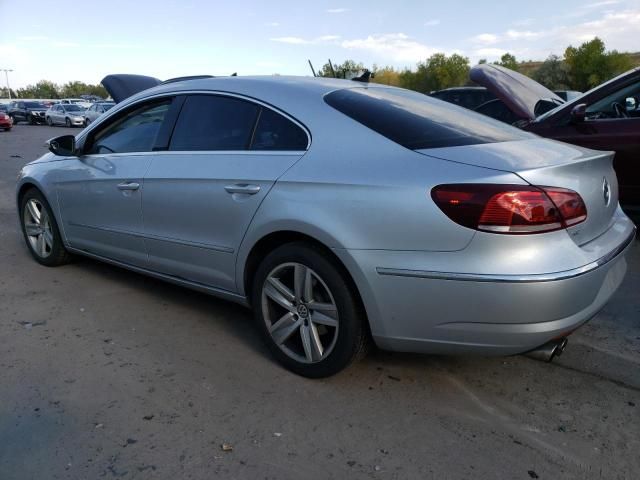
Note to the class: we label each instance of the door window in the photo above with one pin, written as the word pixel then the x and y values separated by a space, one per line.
pixel 214 122
pixel 620 104
pixel 275 132
pixel 135 132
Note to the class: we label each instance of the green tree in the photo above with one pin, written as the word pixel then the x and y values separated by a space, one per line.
pixel 386 76
pixel 348 69
pixel 508 61
pixel 553 74
pixel 438 72
pixel 590 64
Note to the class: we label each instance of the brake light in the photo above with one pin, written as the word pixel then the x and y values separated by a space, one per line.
pixel 510 209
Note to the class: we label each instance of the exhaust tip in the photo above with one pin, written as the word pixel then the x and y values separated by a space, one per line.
pixel 548 351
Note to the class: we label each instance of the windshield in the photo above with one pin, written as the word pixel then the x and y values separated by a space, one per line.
pixel 107 106
pixel 73 108
pixel 417 121
pixel 34 105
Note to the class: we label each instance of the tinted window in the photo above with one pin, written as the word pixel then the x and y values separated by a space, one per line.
pixel 417 121
pixel 498 110
pixel 210 122
pixel 275 132
pixel 73 108
pixel 135 132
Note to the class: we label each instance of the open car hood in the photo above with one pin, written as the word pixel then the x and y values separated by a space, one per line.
pixel 121 86
pixel 518 92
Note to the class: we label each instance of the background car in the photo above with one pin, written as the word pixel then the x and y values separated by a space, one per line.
pixel 598 119
pixel 95 110
pixel 76 101
pixel 70 115
pixel 5 120
pixel 340 212
pixel 27 111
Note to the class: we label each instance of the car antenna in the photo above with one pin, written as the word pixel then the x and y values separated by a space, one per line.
pixel 364 77
pixel 312 70
pixel 333 72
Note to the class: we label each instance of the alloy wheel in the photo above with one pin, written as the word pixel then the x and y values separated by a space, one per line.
pixel 37 226
pixel 300 312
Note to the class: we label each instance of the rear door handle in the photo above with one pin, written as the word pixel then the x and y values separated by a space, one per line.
pixel 128 186
pixel 243 188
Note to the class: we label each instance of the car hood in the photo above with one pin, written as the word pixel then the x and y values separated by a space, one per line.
pixel 518 92
pixel 37 109
pixel 121 86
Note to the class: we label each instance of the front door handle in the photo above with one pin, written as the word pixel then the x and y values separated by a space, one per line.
pixel 243 188
pixel 128 186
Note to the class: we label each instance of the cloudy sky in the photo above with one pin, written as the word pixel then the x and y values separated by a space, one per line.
pixel 87 40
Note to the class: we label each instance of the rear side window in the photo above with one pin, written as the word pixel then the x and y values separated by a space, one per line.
pixel 417 121
pixel 210 122
pixel 275 132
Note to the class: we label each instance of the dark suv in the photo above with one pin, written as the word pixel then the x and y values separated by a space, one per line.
pixel 27 111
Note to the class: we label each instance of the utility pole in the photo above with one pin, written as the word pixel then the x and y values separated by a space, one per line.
pixel 6 75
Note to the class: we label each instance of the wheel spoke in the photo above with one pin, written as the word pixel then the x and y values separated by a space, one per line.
pixel 33 211
pixel 328 308
pixel 322 319
pixel 48 238
pixel 271 292
pixel 311 342
pixel 282 288
pixel 284 328
pixel 32 229
pixel 42 248
pixel 300 273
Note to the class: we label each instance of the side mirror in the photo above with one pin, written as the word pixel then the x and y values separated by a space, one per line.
pixel 579 113
pixel 64 146
pixel 631 103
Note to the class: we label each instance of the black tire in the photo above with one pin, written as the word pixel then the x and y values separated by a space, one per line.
pixel 67 122
pixel 58 254
pixel 86 122
pixel 14 120
pixel 352 333
pixel 7 129
pixel 49 122
pixel 32 120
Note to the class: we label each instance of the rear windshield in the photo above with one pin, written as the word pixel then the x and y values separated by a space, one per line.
pixel 417 121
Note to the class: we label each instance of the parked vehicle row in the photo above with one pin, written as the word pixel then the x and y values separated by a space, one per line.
pixel 71 112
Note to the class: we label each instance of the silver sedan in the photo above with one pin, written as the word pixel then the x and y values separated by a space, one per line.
pixel 342 213
pixel 69 115
pixel 95 110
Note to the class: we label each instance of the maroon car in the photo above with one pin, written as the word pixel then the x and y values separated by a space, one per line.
pixel 605 118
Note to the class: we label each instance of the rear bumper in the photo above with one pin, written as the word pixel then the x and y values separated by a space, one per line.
pixel 422 310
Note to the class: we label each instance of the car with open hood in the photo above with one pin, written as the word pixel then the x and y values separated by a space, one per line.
pixel 341 212
pixel 604 118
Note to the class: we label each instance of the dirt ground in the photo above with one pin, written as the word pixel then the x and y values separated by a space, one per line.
pixel 105 373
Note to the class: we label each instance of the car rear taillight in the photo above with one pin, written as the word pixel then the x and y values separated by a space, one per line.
pixel 511 209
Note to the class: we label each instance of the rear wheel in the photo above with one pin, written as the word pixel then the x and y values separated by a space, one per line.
pixel 306 311
pixel 40 230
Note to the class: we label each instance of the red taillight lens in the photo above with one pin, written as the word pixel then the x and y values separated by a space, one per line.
pixel 510 208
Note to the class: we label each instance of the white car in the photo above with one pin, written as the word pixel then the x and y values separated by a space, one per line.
pixel 76 101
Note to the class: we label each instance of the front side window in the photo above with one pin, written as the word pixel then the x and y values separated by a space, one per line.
pixel 619 104
pixel 135 132
pixel 213 122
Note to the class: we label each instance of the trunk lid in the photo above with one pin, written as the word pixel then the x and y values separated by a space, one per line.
pixel 519 93
pixel 543 162
pixel 121 86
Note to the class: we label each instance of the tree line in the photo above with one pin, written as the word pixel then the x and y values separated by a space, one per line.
pixel 581 68
pixel 48 89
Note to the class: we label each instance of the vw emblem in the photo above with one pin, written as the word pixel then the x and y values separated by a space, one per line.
pixel 303 311
pixel 606 191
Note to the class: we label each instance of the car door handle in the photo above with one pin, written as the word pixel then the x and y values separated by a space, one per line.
pixel 128 186
pixel 243 188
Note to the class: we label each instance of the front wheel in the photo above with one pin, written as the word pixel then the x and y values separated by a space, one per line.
pixel 307 312
pixel 14 120
pixel 67 122
pixel 49 122
pixel 40 230
pixel 32 120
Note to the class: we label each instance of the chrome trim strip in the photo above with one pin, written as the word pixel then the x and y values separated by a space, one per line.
pixel 537 277
pixel 149 236
pixel 279 153
pixel 200 287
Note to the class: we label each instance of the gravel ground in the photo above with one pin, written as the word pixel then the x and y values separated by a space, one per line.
pixel 105 373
